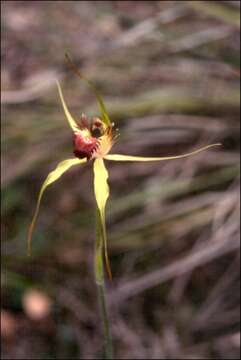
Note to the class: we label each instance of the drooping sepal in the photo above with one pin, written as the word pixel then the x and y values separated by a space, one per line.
pixel 101 189
pixel 54 175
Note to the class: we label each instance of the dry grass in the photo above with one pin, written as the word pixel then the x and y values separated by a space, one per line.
pixel 169 72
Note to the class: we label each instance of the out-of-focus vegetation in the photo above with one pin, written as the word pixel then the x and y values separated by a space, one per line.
pixel 169 73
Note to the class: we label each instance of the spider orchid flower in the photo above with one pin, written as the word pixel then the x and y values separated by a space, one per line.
pixel 92 141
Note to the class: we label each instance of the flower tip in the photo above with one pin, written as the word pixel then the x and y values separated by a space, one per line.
pixel 108 270
pixel 29 241
pixel 217 144
pixel 58 85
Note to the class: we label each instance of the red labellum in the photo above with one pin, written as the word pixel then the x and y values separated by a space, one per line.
pixel 84 146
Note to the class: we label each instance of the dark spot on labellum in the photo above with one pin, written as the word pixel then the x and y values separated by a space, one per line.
pixel 96 133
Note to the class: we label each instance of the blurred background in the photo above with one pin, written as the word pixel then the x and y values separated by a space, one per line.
pixel 169 74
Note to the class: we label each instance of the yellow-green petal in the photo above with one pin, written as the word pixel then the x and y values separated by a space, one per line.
pixel 53 176
pixel 69 117
pixel 101 189
pixel 104 115
pixel 118 157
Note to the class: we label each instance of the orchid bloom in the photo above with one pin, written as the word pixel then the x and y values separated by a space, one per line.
pixel 93 142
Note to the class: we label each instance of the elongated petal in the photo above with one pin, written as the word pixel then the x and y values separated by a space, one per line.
pixel 117 157
pixel 104 115
pixel 69 117
pixel 101 194
pixel 53 176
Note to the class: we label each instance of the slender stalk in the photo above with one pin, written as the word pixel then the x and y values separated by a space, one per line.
pixel 104 313
pixel 99 278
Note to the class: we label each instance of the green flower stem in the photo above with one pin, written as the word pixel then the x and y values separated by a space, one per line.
pixel 99 278
pixel 108 339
